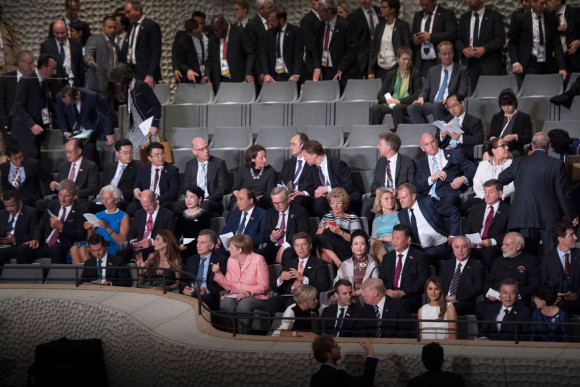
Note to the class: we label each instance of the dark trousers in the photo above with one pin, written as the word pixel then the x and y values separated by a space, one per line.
pixel 464 308
pixel 534 67
pixel 418 113
pixel 426 65
pixel 437 253
pixel 57 253
pixel 532 238
pixel 328 74
pixel 128 254
pixel 278 304
pixel 379 111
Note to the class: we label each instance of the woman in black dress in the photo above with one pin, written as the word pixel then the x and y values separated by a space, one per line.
pixel 191 221
pixel 514 126
pixel 256 175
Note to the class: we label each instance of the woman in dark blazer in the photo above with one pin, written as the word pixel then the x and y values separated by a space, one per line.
pixel 513 126
pixel 404 84
pixel 399 36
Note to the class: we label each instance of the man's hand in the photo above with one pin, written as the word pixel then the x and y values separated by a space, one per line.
pixel 393 100
pixel 575 222
pixel 205 80
pixel 294 78
pixel 479 52
pixel 145 243
pixel 338 76
pixel 92 63
pixel 518 69
pixel 564 74
pixel 191 75
pixel 317 75
pixel 396 293
pixel 562 27
pixel 321 191
pixel 285 276
pixel 457 182
pixel 137 194
pixel 573 47
pixel 571 296
pixel 420 101
pixel 276 234
pixel 32 244
pixel 371 76
pixel 53 185
pixel 492 298
pixel 441 175
pixel 485 243
pixel 296 274
pixel 268 78
pixel 249 78
pixel 367 346
pixel 68 134
pixel 149 80
pixel 468 52
pixel 56 224
pixel 444 133
pixel 177 75
pixel 451 298
pixel 36 130
pixel 110 139
pixel 295 193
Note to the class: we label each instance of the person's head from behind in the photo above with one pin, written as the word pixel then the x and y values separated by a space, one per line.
pixel 541 141
pixel 560 141
pixel 432 356
pixel 325 349
pixel 545 294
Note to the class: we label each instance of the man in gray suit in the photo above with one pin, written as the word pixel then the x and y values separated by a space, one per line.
pixel 100 56
pixel 442 80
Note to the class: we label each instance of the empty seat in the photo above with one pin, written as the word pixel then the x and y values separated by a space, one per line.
pixel 489 86
pixel 571 79
pixel 276 157
pixel 64 274
pixel 180 157
pixel 365 135
pixel 573 113
pixel 328 136
pixel 234 137
pixel 360 158
pixel 361 90
pixel 21 274
pixel 236 92
pixel 52 159
pixel 278 92
pixel 275 136
pixel 541 85
pixel 217 224
pixel 269 114
pixel 412 151
pixel 363 180
pixel 312 113
pixel 410 134
pixel 539 109
pixel 185 116
pixel 162 93
pixel 320 91
pixel 181 137
pixel 193 93
pixel 572 127
pixel 231 107
pixel 349 113
pixel 232 157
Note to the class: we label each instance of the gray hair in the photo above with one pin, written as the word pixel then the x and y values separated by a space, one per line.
pixel 68 185
pixel 211 234
pixel 541 141
pixel 117 194
pixel 463 237
pixel 518 238
pixel 280 190
pixel 329 5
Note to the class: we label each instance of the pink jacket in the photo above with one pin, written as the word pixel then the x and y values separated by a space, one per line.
pixel 252 277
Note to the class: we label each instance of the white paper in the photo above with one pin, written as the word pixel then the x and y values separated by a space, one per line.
pixel 145 126
pixel 91 218
pixel 225 238
pixel 562 294
pixel 51 214
pixel 387 96
pixel 475 238
pixel 452 126
pixel 233 295
pixel 187 241
pixel 86 133
pixel 492 293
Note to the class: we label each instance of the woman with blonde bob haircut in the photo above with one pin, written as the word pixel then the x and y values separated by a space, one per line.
pixel 386 209
pixel 305 300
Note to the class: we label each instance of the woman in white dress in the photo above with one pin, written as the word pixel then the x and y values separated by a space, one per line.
pixel 437 309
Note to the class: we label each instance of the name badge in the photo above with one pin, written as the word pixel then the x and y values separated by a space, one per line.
pixel 541 54
pixel 325 58
pixel 382 60
pixel 427 50
pixel 225 68
pixel 280 65
pixel 45 116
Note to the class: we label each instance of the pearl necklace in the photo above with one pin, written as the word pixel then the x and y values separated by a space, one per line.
pixel 254 175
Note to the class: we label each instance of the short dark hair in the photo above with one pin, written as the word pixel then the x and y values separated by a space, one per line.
pixel 44 60
pixel 391 139
pixel 154 145
pixel 494 183
pixel 548 292
pixel 458 96
pixel 341 282
pixel 432 356
pixel 560 229
pixel 321 346
pixel 492 144
pixel 405 228
pixel 95 239
pixel 252 153
pixel 242 3
pixel 361 233
pixel 302 137
pixel 12 150
pixel 507 97
pixel 302 235
pixel 191 25
pixel 121 143
pixel 560 140
pixel 251 194
pixel 78 143
pixel 197 191
pixel 313 147
pixel 281 13
pixel 396 5
pixel 198 14
pixel 123 19
pixel 509 282
pixel 12 194
pixel 211 234
pixel 136 5
pixel 410 187
pixel 109 17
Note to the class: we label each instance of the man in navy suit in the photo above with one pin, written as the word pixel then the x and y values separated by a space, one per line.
pixel 24 176
pixel 96 268
pixel 442 174
pixel 202 284
pixel 309 29
pixel 365 19
pixel 297 172
pixel 568 21
pixel 68 52
pixel 432 357
pixel 561 266
pixel 247 218
pixel 344 308
pixel 17 224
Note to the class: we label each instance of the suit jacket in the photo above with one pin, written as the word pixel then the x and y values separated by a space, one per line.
pixel 118 277
pixel 539 201
pixel 499 224
pixel 434 211
pixel 522 126
pixel 257 31
pixel 363 32
pixel 457 165
pixel 572 16
pixel 471 279
pixel 507 331
pixel 415 85
pixel 401 38
pixel 342 47
pixel 413 276
pixel 316 271
pixel 24 227
pixel 404 172
pixel 395 310
pixel 95 114
pixel 165 220
pixel 192 267
pixel 334 327
pixel 491 37
pixel 186 57
pixel 146 103
pixel 126 183
pixel 297 222
pixel 520 37
pixel 104 53
pixel 87 177
pixel 49 46
pixel 254 227
pixel 551 270
pixel 472 135
pixel 306 181
pixel 332 376
pixel 72 231
pixel 168 181
pixel 437 378
pixel 31 187
pixel 523 268
pixel 444 28
pixel 147 50
pixel 309 29
pixel 340 175
pixel 292 51
pixel 459 82
pixel 217 177
pixel 8 85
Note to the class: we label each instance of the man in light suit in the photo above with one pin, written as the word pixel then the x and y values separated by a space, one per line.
pixel 247 218
pixel 100 56
pixel 442 80
pixel 96 269
pixel 17 224
pixel 365 19
pixel 69 55
pixel 568 21
pixel 344 308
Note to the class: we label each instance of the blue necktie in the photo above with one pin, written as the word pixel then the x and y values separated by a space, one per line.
pixel 62 53
pixel 439 96
pixel 370 12
pixel 242 225
pixel 200 271
pixel 203 182
pixel 453 142
pixel 434 185
pixel 117 178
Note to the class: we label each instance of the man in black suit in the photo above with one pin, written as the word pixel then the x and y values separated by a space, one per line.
pixel 490 221
pixel 17 224
pixel 299 267
pixel 442 80
pixel 283 221
pixel 69 55
pixel 480 41
pixel 431 26
pixel 386 312
pixel 143 48
pixel 432 357
pixel 343 309
pixel 463 277
pixel 365 19
pixel 202 284
pixel 257 27
pixel 327 352
pixel 60 227
pixel 96 269
pixel 238 55
pixel 240 9
pixel 121 174
pixel 72 9
pixel 309 29
pixel 540 200
pixel 471 126
pixel 401 169
pixel 158 176
pixel 30 112
pixel 568 21
pixel 509 309
pixel 24 176
pixel 335 52
pixel 561 266
pixel 190 52
pixel 534 53
pixel 405 269
pixel 283 49
pixel 332 173
pixel 121 36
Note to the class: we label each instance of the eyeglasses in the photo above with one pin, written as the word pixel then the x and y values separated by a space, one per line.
pixel 501 146
pixel 279 203
pixel 335 203
pixel 202 149
pixel 453 106
pixel 157 155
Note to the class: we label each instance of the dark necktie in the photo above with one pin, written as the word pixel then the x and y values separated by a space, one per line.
pixel 372 25
pixel 54 238
pixel 541 29
pixel 321 176
pixel 455 280
pixel 378 315
pixel 100 269
pixel 398 272
pixel 200 271
pixel 488 221
pixel 427 23
pixel 10 225
pixel 414 226
pixel 389 175
pixel 297 173
pixel 476 30
pixel 279 45
pixel 338 323
pixel 62 53
pixel 242 224
pixel 327 37
pixel 156 179
pixel 505 314
pixel 202 52
pixel 566 264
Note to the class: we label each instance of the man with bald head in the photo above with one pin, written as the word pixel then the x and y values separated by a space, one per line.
pixel 68 53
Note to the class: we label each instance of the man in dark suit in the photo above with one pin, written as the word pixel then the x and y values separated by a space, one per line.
pixel 332 173
pixel 327 352
pixel 24 176
pixel 568 22
pixel 60 227
pixel 365 19
pixel 561 266
pixel 238 55
pixel 247 218
pixel 257 27
pixel 480 41
pixel 509 309
pixel 122 174
pixel 99 262
pixel 72 9
pixel 240 9
pixel 101 56
pixel 190 53
pixel 442 174
pixel 540 200
pixel 431 26
pixel 344 308
pixel 283 49
pixel 309 29
pixel 202 284
pixel 143 48
pixel 30 112
pixel 405 269
pixel 432 357
pixel 69 55
pixel 158 176
pixel 490 221
pixel 121 35
pixel 298 267
pixel 534 53
pixel 463 277
pixel 335 55
pixel 471 126
pixel 442 80
pixel 17 224
pixel 283 221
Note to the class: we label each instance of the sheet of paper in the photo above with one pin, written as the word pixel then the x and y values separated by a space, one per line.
pixel 187 241
pixel 51 214
pixel 146 125
pixel 387 96
pixel 475 238
pixel 225 238
pixel 453 126
pixel 85 134
pixel 92 218
pixel 233 295
pixel 492 293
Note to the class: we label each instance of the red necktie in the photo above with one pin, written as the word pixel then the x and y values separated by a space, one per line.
pixel 398 272
pixel 225 48
pixel 327 37
pixel 71 175
pixel 148 227
pixel 566 264
pixel 488 221
pixel 281 240
pixel 54 238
